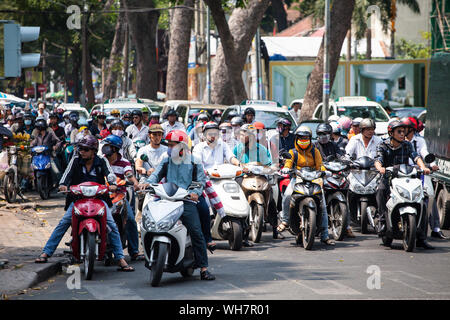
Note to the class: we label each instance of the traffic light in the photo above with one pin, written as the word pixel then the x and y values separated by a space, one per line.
pixel 14 59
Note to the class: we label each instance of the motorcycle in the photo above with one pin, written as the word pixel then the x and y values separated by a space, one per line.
pixel 257 186
pixel 406 206
pixel 89 236
pixel 304 211
pixel 41 163
pixel 232 226
pixel 361 196
pixel 335 187
pixel 18 166
pixel 68 151
pixel 167 245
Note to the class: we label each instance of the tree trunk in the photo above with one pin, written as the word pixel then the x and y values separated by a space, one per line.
pixel 177 69
pixel 143 34
pixel 341 15
pixel 115 58
pixel 241 28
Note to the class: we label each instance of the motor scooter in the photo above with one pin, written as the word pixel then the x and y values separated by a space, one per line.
pixel 232 226
pixel 41 163
pixel 166 242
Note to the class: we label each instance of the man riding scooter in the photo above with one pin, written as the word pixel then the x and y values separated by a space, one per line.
pixel 305 154
pixel 395 151
pixel 180 169
pixel 122 169
pixel 83 167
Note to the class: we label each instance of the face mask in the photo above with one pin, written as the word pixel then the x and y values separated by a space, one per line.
pixel 27 122
pixel 66 121
pixel 323 138
pixel 303 143
pixel 117 132
pixel 217 119
pixel 154 122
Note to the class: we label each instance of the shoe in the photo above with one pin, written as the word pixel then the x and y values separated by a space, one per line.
pixel 423 244
pixel 211 247
pixel 439 235
pixel 206 275
pixel 350 233
pixel 328 242
pixel 247 244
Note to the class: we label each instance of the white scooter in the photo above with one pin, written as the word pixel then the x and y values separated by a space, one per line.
pixel 230 227
pixel 405 206
pixel 167 245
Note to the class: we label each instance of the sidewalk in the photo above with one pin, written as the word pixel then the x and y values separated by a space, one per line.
pixel 24 230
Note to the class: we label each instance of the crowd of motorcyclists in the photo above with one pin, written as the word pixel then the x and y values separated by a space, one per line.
pixel 143 148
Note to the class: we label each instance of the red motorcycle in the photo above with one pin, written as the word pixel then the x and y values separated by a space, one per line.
pixel 89 235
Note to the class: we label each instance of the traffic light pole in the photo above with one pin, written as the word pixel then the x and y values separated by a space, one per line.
pixel 326 64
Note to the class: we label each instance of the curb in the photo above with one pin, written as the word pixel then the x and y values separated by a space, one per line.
pixel 15 281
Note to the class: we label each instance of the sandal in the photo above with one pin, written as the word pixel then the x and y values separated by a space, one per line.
pixel 41 259
pixel 126 268
pixel 138 257
pixel 211 247
pixel 206 275
pixel 282 226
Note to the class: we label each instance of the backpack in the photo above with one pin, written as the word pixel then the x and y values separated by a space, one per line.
pixel 313 153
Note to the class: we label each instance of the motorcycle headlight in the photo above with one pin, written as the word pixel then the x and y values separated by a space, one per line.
pixel 148 222
pixel 164 224
pixel 417 193
pixel 403 192
pixel 231 188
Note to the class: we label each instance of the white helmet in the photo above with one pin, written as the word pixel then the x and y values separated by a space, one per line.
pixel 333 118
pixel 66 113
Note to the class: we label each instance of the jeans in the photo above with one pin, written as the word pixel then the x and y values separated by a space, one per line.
pixel 66 222
pixel 131 231
pixel 284 217
pixel 191 220
pixel 205 218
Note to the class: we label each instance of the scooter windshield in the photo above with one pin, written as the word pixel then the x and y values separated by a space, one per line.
pixel 170 188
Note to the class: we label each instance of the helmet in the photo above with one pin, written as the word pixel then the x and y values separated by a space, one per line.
pixel 66 114
pixel 345 122
pixel 136 113
pixel 210 125
pixel 225 125
pixel 19 116
pixel 154 115
pixel 52 115
pixel 41 124
pixel 115 111
pixel 114 141
pixel 116 123
pixel 356 121
pixel 420 126
pixel 395 124
pixel 333 117
pixel 303 131
pixel 249 110
pixel 216 112
pixel 203 117
pixel 82 122
pixel 367 123
pixel 60 110
pixel 233 113
pixel 156 128
pixel 336 128
pixel 94 114
pixel 172 112
pixel 88 141
pixel 145 110
pixel 126 115
pixel 101 114
pixel 413 123
pixel 259 125
pixel 324 128
pixel 236 121
pixel 178 136
pixel 284 122
pixel 73 116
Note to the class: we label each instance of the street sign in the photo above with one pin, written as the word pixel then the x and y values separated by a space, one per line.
pixel 29 91
pixel 42 88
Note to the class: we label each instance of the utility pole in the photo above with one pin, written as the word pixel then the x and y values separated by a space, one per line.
pixel 208 54
pixel 126 61
pixel 326 64
pixel 66 71
pixel 84 54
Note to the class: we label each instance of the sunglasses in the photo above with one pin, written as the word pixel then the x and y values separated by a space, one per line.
pixel 85 149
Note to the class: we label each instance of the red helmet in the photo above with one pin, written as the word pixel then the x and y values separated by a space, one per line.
pixel 104 133
pixel 414 123
pixel 408 122
pixel 420 126
pixel 178 136
pixel 94 113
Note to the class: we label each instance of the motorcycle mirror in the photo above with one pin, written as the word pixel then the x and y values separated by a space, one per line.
pixel 164 142
pixel 429 158
pixel 144 157
pixel 111 178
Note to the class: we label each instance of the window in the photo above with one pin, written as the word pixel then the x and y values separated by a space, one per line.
pixel 374 112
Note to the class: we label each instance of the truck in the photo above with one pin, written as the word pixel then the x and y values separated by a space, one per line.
pixel 437 131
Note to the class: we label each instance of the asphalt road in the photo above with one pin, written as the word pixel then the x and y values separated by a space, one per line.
pixel 278 270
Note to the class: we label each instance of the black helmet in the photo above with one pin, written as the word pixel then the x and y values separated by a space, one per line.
pixel 324 128
pixel 116 122
pixel 136 113
pixel 210 125
pixel 249 110
pixel 41 124
pixel 237 121
pixel 172 112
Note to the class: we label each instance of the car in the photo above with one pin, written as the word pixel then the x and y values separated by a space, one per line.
pixel 408 112
pixel 185 108
pixel 127 105
pixel 266 111
pixel 82 112
pixel 357 106
pixel 312 124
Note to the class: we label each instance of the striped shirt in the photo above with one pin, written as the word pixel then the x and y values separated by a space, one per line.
pixel 120 167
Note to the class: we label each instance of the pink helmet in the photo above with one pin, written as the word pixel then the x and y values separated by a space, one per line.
pixel 345 122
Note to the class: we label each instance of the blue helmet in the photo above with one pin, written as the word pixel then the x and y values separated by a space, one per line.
pixel 114 141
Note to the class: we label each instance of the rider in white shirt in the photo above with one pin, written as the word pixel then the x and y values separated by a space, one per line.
pixel 137 130
pixel 154 151
pixel 364 143
pixel 172 123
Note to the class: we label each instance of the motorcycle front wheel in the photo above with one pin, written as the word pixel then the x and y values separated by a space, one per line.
pixel 339 221
pixel 43 187
pixel 409 232
pixel 235 237
pixel 364 218
pixel 157 269
pixel 258 222
pixel 9 188
pixel 308 226
pixel 89 258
